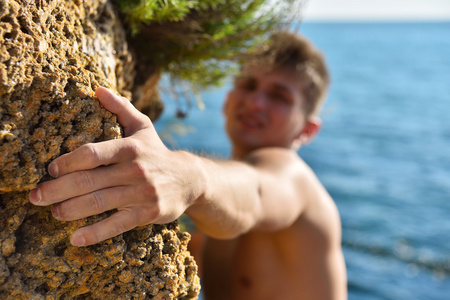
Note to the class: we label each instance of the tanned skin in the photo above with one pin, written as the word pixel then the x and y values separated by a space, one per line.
pixel 296 257
pixel 273 232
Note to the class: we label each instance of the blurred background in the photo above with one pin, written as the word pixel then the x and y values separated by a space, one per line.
pixel 384 150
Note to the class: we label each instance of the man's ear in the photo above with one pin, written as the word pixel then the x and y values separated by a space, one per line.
pixel 313 124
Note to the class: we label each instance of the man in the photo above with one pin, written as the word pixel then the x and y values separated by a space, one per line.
pixel 273 232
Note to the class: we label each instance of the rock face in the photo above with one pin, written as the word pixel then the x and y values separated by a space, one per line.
pixel 53 54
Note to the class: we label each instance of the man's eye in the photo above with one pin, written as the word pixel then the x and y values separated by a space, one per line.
pixel 279 97
pixel 245 85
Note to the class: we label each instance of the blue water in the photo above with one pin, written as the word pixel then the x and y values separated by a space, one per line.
pixel 383 153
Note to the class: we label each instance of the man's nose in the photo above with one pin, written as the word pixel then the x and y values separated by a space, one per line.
pixel 258 99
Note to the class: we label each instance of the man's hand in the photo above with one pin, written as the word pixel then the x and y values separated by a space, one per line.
pixel 136 175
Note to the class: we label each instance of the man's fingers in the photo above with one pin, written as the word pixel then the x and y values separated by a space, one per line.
pixel 88 156
pixel 110 227
pixel 129 117
pixel 91 204
pixel 80 183
pixel 92 155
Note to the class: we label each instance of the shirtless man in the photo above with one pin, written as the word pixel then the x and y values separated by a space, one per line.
pixel 273 232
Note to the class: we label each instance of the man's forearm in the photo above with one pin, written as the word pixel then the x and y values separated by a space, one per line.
pixel 229 203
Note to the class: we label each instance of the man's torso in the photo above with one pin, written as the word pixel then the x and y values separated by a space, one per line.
pixel 303 261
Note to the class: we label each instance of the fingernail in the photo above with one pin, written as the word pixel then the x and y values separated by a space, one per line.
pixel 35 196
pixel 78 241
pixel 53 170
pixel 55 212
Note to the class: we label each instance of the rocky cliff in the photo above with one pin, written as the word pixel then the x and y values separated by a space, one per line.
pixel 53 54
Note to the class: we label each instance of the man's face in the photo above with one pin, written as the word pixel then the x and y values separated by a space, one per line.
pixel 265 109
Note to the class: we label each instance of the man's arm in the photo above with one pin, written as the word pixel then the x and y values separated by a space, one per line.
pixel 260 193
pixel 148 183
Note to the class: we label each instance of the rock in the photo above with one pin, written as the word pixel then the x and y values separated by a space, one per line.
pixel 53 54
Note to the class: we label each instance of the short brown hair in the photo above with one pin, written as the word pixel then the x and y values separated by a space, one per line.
pixel 287 50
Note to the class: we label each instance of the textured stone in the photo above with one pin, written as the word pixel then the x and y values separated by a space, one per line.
pixel 53 54
pixel 38 262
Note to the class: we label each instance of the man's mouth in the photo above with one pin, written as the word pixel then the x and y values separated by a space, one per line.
pixel 250 121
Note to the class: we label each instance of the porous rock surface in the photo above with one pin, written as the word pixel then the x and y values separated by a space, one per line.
pixel 53 54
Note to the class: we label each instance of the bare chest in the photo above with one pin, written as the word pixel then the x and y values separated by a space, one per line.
pixel 255 266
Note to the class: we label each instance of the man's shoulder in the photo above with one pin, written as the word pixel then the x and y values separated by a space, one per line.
pixel 289 165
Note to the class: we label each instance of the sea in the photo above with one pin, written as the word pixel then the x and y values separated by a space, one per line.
pixel 383 152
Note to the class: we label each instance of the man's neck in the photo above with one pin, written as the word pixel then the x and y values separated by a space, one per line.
pixel 240 153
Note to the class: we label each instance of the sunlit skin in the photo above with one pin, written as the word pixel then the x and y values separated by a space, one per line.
pixel 273 231
pixel 297 259
pixel 265 109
